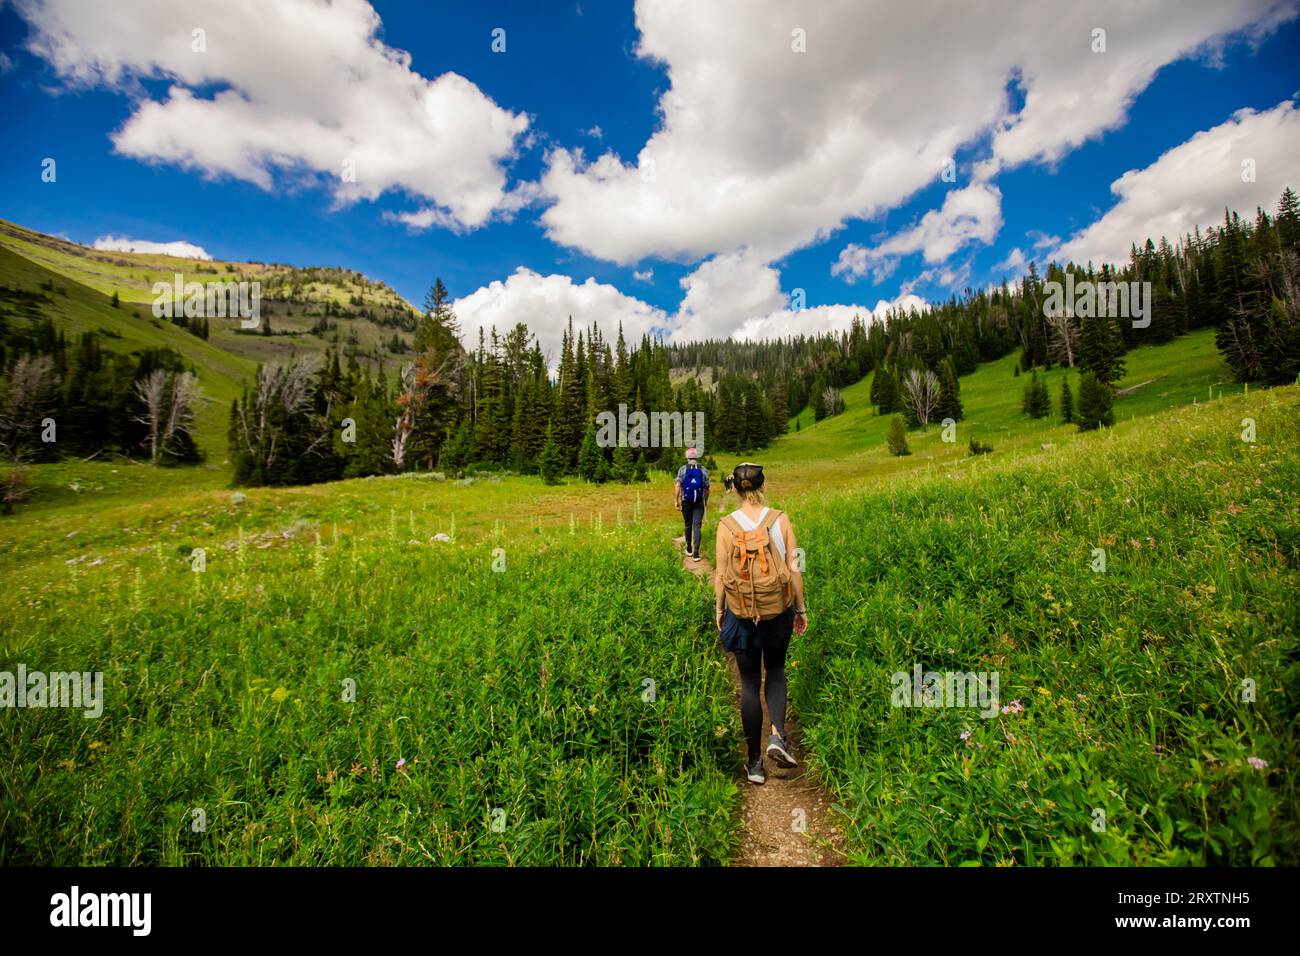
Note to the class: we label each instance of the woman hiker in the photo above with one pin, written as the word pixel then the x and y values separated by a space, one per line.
pixel 759 601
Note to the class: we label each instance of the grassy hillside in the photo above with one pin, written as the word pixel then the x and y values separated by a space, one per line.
pixel 29 290
pixel 74 285
pixel 1131 679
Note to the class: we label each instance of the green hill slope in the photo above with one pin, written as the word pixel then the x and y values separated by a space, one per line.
pixel 309 310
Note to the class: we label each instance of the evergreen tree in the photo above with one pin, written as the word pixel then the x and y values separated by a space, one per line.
pixel 949 392
pixel 897 438
pixel 457 451
pixel 1067 401
pixel 1101 349
pixel 1094 403
pixel 624 467
pixel 884 390
pixel 550 463
pixel 1036 403
pixel 590 457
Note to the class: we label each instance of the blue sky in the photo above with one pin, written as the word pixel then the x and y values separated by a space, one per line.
pixel 768 152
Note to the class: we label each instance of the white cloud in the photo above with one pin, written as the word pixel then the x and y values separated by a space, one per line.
pixel 763 148
pixel 1189 185
pixel 185 250
pixel 303 88
pixel 423 219
pixel 547 302
pixel 732 296
pixel 820 319
pixel 1015 262
pixel 972 214
pixel 723 293
pixel 644 276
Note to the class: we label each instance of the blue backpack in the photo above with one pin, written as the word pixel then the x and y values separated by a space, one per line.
pixel 693 485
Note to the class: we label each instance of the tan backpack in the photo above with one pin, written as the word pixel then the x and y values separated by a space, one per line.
pixel 755 580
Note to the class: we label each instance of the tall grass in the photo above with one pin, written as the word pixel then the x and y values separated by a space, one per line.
pixel 1133 742
pixel 518 700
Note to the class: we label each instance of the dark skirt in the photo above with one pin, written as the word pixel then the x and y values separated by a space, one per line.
pixel 742 634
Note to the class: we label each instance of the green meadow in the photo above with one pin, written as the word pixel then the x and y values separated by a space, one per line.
pixel 415 670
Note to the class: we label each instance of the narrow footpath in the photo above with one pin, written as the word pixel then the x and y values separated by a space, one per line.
pixel 787 820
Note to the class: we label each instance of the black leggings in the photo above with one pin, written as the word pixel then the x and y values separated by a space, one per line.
pixel 750 664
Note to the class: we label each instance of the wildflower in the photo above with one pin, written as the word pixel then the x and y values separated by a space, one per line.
pixel 1015 707
pixel 401 764
pixel 965 735
pixel 1257 763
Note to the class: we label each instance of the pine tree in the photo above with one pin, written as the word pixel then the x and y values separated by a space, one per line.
pixel 457 451
pixel 639 470
pixel 1067 402
pixel 550 462
pixel 624 468
pixel 884 390
pixel 898 437
pixel 1094 403
pixel 949 392
pixel 1101 349
pixel 1036 403
pixel 590 456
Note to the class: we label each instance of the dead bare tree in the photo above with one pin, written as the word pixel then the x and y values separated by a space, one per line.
pixel 168 400
pixel 1064 332
pixel 152 392
pixel 282 394
pixel 922 390
pixel 28 400
pixel 409 399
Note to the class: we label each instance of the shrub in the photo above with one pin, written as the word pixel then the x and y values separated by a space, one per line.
pixel 898 437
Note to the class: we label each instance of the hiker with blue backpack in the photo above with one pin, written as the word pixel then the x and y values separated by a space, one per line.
pixel 692 493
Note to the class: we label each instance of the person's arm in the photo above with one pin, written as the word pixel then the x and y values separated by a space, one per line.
pixel 677 494
pixel 796 576
pixel 719 556
pixel 704 499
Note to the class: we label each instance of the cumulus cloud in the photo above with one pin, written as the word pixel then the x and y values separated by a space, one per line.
pixel 1189 185
pixel 723 293
pixel 820 319
pixel 184 250
pixel 287 89
pixel 546 303
pixel 972 214
pixel 732 296
pixel 768 149
pixel 1015 262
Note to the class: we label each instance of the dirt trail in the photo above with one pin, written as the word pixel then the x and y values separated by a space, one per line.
pixel 785 821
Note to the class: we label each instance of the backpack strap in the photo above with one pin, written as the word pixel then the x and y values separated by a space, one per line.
pixel 773 517
pixel 731 524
